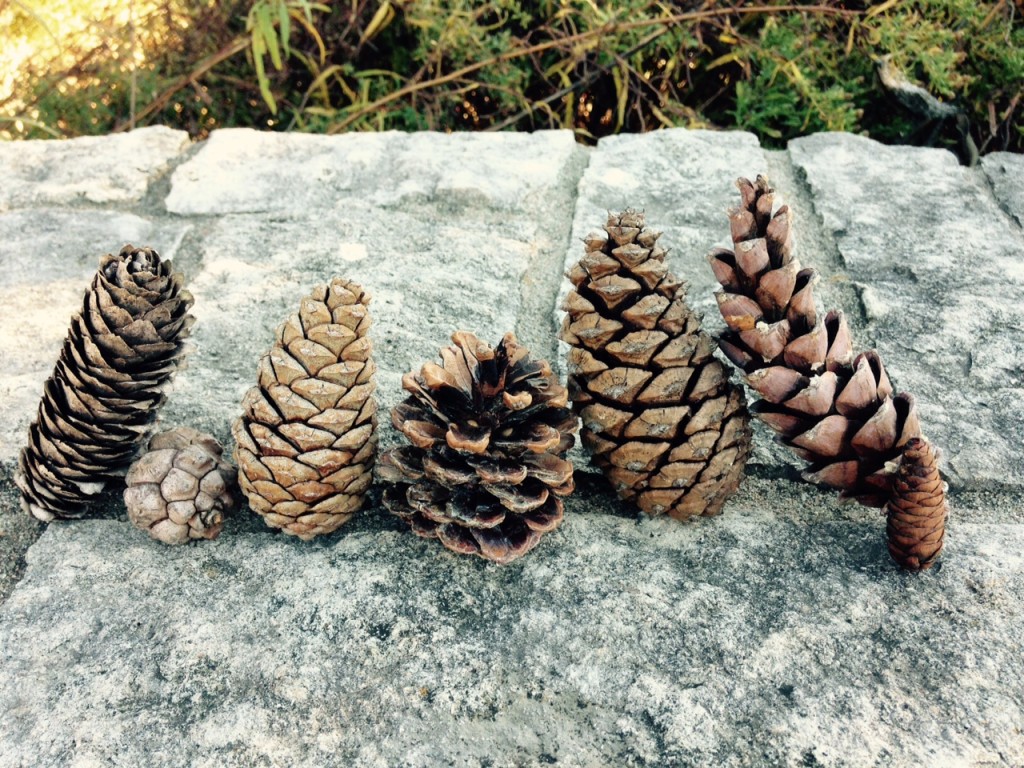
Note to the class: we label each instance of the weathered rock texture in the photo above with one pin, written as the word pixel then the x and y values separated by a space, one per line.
pixel 615 644
pixel 114 169
pixel 779 633
pixel 1006 172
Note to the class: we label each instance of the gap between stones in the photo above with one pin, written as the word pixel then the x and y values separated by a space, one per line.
pixel 817 248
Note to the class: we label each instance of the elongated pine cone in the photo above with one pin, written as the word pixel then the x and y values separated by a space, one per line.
pixel 180 489
pixel 660 416
pixel 307 437
pixel 100 403
pixel 916 513
pixel 832 409
pixel 486 466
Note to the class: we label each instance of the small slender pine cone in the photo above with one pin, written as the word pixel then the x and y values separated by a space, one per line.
pixel 100 403
pixel 660 417
pixel 489 431
pixel 916 514
pixel 180 489
pixel 307 438
pixel 834 410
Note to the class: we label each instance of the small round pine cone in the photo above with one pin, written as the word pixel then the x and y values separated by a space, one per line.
pixel 916 512
pixel 180 488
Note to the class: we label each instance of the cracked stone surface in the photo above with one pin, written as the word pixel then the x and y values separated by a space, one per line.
pixel 93 169
pixel 1006 172
pixel 613 644
pixel 779 633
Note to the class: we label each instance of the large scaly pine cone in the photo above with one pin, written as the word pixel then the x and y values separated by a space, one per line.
pixel 307 437
pixel 101 401
pixel 660 416
pixel 489 432
pixel 833 410
pixel 916 513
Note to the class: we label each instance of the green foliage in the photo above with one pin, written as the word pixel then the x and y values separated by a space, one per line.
pixel 597 68
pixel 803 72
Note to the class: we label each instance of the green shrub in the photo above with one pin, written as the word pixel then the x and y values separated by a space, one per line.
pixel 596 68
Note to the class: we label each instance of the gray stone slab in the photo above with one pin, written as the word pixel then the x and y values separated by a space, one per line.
pixel 424 229
pixel 1006 172
pixel 48 258
pixel 95 169
pixel 940 268
pixel 742 640
pixel 240 170
pixel 684 181
pixel 429 276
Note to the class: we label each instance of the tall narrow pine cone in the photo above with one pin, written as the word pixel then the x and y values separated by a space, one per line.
pixel 916 513
pixel 307 437
pixel 660 416
pixel 486 466
pixel 101 401
pixel 834 410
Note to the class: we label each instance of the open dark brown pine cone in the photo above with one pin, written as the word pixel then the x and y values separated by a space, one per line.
pixel 489 431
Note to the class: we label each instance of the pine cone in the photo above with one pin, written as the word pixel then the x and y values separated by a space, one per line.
pixel 834 410
pixel 660 417
pixel 100 403
pixel 307 438
pixel 179 489
pixel 916 513
pixel 489 432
